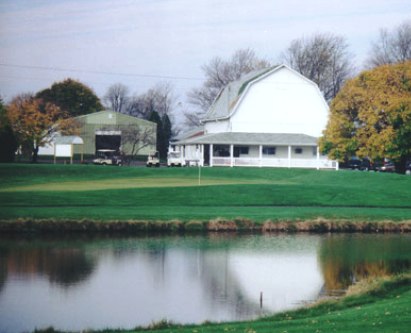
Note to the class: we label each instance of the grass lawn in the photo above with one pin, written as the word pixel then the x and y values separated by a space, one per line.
pixel 113 193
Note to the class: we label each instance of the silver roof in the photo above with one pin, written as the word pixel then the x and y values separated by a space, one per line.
pixel 228 96
pixel 266 139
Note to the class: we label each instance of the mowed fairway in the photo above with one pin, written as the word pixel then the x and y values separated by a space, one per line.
pixel 113 193
pixel 126 183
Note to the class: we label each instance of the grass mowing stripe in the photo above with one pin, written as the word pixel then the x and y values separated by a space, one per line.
pixel 173 193
pixel 125 183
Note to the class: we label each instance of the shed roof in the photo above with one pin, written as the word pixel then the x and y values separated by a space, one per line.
pixel 112 118
pixel 68 139
pixel 275 139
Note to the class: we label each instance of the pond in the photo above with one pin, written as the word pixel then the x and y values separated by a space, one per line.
pixel 76 283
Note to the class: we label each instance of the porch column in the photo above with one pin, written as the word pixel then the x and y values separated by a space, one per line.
pixel 202 155
pixel 260 154
pixel 211 155
pixel 289 156
pixel 318 158
pixel 180 149
pixel 231 155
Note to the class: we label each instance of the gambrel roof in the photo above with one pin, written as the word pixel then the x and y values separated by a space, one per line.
pixel 229 97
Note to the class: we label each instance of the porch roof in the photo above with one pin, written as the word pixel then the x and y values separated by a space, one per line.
pixel 266 139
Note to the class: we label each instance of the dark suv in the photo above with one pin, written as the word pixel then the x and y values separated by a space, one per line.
pixel 354 164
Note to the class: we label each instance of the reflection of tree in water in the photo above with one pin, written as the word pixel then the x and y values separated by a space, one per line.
pixel 221 285
pixel 64 266
pixel 68 266
pixel 345 259
pixel 206 259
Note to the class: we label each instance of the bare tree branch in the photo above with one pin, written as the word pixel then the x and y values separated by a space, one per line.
pixel 219 73
pixel 116 97
pixel 391 47
pixel 323 58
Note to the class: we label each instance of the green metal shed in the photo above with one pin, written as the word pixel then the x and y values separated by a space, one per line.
pixel 113 130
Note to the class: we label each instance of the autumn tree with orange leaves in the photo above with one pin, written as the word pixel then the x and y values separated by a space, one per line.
pixel 371 117
pixel 34 122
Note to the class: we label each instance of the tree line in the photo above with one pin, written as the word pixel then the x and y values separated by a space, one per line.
pixel 30 121
pixel 323 58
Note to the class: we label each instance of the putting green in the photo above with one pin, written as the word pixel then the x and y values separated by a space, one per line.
pixel 124 183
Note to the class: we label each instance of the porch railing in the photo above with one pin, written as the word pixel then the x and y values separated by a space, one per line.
pixel 276 162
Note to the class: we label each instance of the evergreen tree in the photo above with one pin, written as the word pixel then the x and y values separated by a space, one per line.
pixel 166 134
pixel 155 118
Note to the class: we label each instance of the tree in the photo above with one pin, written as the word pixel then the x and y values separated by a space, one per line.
pixel 166 134
pixel 137 138
pixel 72 97
pixel 371 117
pixel 155 118
pixel 219 73
pixel 8 141
pixel 117 97
pixel 322 58
pixel 391 47
pixel 160 98
pixel 34 122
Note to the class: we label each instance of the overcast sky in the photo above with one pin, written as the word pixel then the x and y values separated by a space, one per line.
pixel 142 42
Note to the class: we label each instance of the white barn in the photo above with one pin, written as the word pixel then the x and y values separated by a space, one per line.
pixel 271 117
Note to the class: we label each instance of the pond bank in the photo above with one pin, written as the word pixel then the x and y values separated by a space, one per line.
pixel 216 225
pixel 371 306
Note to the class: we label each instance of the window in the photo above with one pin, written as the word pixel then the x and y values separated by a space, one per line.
pixel 221 151
pixel 314 151
pixel 298 150
pixel 240 150
pixel 269 150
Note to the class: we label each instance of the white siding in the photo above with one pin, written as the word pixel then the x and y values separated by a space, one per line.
pixel 283 102
pixel 280 152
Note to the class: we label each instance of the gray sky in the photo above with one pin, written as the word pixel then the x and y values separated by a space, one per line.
pixel 142 42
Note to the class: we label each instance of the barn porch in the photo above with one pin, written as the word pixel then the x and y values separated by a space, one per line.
pixel 255 150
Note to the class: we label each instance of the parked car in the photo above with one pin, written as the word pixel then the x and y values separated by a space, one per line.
pixel 388 166
pixel 363 164
pixel 108 157
pixel 367 165
pixel 354 164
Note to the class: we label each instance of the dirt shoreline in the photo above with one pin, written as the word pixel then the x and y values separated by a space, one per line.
pixel 319 225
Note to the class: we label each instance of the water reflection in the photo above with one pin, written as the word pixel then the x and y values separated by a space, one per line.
pixel 62 263
pixel 80 283
pixel 345 259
